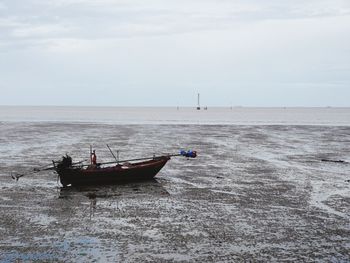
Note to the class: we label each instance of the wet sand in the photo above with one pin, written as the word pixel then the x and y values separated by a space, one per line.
pixel 255 193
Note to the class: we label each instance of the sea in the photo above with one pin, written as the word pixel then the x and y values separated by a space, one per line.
pixel 268 185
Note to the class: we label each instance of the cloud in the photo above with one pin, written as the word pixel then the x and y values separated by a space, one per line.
pixel 55 24
pixel 186 46
pixel 39 31
pixel 102 19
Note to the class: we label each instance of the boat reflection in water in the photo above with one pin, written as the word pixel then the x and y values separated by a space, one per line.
pixel 111 193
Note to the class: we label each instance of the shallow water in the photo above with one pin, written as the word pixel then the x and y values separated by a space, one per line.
pixel 178 115
pixel 255 192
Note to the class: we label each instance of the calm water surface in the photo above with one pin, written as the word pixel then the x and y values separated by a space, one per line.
pixel 148 115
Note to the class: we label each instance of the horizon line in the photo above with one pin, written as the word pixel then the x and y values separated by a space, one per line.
pixel 202 107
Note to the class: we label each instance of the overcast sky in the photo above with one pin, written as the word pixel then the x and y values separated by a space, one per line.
pixel 162 53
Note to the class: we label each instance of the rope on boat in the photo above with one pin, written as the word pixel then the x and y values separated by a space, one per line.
pixel 188 154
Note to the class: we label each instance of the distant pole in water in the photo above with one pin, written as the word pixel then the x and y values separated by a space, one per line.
pixel 198 106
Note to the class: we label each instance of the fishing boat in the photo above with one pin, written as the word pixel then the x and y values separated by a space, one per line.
pixel 132 170
pixel 119 173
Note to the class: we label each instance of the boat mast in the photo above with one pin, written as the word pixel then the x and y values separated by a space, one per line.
pixel 90 154
pixel 116 159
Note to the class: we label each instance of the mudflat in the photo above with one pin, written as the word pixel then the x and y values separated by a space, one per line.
pixel 255 193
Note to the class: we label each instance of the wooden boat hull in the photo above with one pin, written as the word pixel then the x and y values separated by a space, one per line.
pixel 120 173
